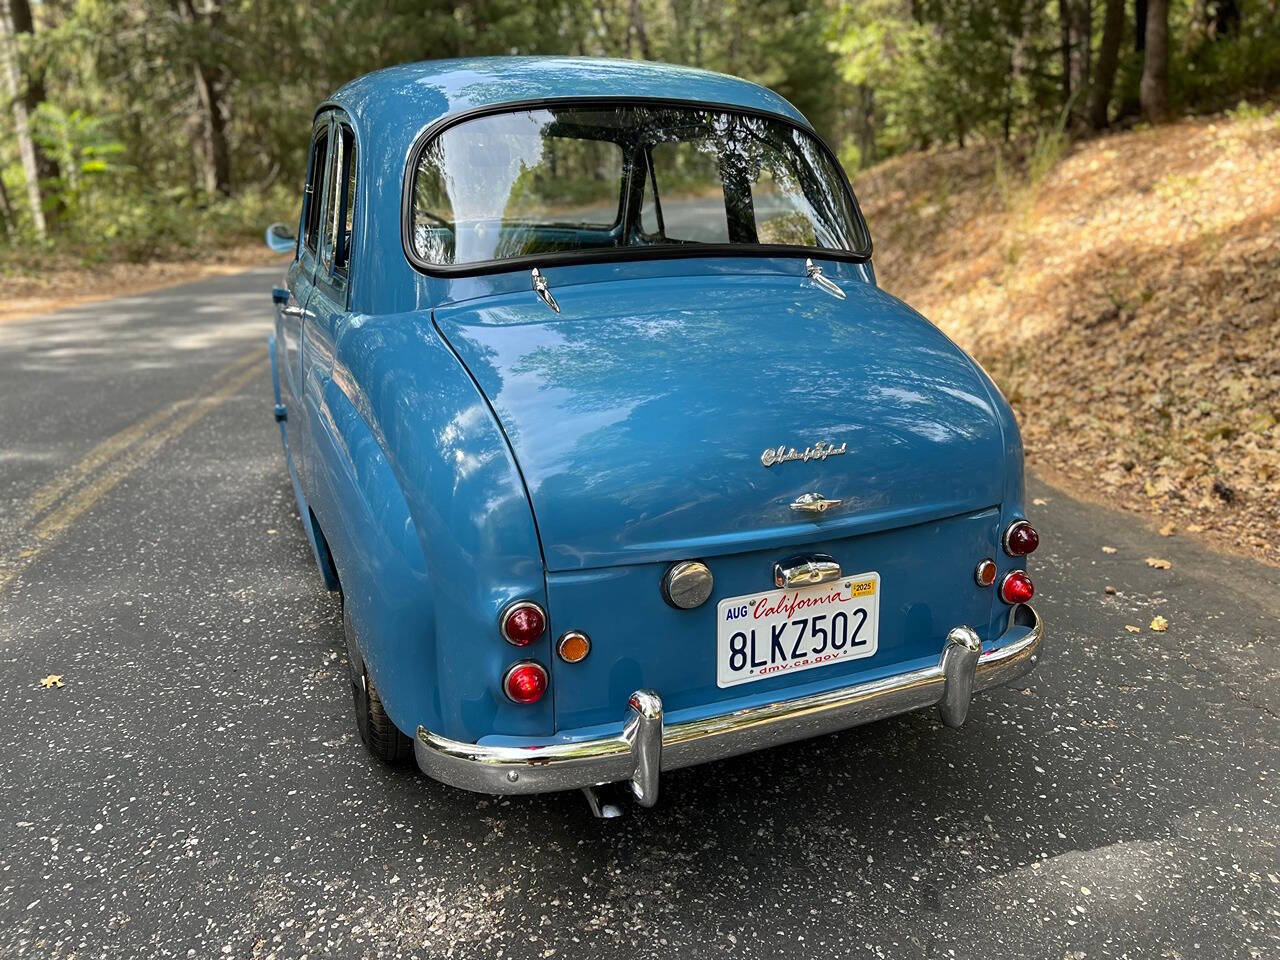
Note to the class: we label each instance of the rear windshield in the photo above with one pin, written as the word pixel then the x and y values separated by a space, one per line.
pixel 573 179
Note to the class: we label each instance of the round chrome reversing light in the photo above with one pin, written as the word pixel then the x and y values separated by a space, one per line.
pixel 687 584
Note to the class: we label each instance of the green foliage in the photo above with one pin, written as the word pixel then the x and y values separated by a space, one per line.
pixel 128 133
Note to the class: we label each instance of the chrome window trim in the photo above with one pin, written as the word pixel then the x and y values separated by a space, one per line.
pixel 617 254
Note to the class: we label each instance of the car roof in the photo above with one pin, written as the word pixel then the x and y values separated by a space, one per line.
pixel 413 96
pixel 390 108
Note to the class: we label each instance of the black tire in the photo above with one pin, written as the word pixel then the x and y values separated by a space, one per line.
pixel 382 737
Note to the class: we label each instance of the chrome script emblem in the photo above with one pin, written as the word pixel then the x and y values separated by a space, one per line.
pixel 819 451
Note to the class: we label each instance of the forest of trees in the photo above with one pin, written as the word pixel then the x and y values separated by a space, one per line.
pixel 132 127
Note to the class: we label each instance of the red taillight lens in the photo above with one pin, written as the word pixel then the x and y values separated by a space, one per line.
pixel 1017 588
pixel 523 622
pixel 1020 539
pixel 525 682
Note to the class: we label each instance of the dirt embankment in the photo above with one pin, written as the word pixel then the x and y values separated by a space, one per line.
pixel 1128 303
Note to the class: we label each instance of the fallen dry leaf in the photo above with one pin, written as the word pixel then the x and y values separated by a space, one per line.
pixel 1158 564
pixel 1168 530
pixel 1040 502
pixel 1108 549
pixel 1132 629
pixel 1159 624
pixel 52 680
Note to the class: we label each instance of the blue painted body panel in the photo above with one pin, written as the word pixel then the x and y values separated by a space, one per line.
pixel 639 413
pixel 454 445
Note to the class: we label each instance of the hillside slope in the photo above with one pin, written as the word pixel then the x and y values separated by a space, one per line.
pixel 1128 303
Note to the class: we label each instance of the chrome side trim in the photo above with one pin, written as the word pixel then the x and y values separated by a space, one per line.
pixel 645 745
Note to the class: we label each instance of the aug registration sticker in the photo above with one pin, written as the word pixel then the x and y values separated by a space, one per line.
pixel 785 631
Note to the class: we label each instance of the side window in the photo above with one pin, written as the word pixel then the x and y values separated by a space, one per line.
pixel 342 202
pixel 315 191
pixel 692 193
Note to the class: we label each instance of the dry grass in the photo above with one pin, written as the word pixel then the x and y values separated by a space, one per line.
pixel 1128 303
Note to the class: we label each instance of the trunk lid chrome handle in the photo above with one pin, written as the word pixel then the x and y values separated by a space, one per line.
pixel 543 289
pixel 806 571
pixel 814 273
pixel 813 503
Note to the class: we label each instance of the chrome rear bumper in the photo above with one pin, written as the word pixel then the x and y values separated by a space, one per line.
pixel 646 746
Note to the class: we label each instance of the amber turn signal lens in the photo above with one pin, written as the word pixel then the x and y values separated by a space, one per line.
pixel 1017 588
pixel 525 682
pixel 522 623
pixel 1020 539
pixel 985 573
pixel 574 646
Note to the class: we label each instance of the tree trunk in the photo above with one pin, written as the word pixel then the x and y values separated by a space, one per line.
pixel 33 93
pixel 1064 25
pixel 1084 44
pixel 21 124
pixel 216 153
pixel 213 153
pixel 1226 18
pixel 1017 31
pixel 6 208
pixel 636 29
pixel 1108 60
pixel 1154 89
pixel 866 132
pixel 1140 25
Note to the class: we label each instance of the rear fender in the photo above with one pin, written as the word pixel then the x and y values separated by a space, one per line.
pixel 367 528
pixel 430 528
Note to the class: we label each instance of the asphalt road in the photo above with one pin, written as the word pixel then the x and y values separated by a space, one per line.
pixel 196 788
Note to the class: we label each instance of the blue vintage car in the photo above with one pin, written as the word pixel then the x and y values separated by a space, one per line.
pixel 618 455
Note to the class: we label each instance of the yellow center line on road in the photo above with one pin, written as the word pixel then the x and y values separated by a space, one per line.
pixel 49 494
pixel 177 418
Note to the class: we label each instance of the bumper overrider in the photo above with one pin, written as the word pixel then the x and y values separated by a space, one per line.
pixel 646 746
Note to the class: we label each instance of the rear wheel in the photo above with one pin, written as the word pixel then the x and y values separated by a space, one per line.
pixel 380 735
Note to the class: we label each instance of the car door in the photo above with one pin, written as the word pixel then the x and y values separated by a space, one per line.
pixel 327 308
pixel 301 276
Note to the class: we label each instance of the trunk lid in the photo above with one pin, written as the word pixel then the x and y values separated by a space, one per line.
pixel 640 413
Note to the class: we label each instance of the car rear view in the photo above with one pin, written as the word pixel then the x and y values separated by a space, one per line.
pixel 619 456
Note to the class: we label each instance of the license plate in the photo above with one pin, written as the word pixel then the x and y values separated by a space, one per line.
pixel 765 635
